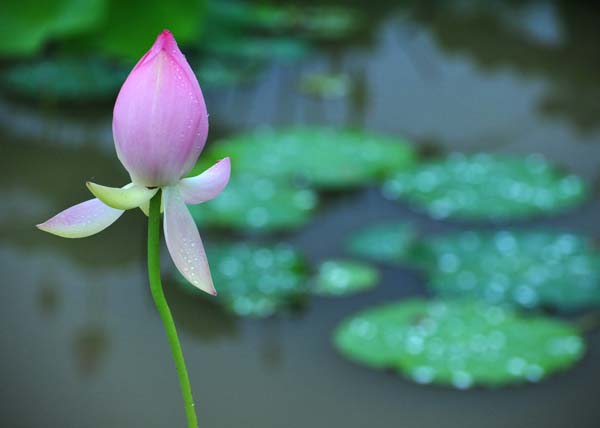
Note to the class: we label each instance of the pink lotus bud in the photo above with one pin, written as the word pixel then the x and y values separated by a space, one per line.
pixel 160 126
pixel 160 121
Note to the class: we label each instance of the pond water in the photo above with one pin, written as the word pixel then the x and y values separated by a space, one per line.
pixel 82 343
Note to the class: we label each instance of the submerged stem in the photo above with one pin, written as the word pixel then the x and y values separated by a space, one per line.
pixel 163 308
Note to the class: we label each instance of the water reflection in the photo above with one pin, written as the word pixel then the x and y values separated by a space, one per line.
pixel 271 348
pixel 63 293
pixel 48 300
pixel 552 40
pixel 197 316
pixel 91 345
pixel 56 127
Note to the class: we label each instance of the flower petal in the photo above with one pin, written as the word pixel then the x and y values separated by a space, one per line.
pixel 130 196
pixel 184 243
pixel 207 185
pixel 81 220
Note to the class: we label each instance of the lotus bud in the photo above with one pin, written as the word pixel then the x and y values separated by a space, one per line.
pixel 160 122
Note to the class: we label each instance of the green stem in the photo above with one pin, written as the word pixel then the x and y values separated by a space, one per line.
pixel 163 308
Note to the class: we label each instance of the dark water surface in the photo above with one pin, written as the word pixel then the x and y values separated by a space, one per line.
pixel 82 345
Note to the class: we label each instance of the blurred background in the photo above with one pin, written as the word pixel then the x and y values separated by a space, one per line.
pixel 434 154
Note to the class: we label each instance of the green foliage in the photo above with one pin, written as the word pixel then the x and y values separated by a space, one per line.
pixel 255 280
pixel 386 242
pixel 486 186
pixel 132 25
pixel 523 268
pixel 25 25
pixel 321 157
pixel 252 202
pixel 459 343
pixel 344 277
pixel 123 28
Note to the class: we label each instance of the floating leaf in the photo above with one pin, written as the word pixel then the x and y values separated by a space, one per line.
pixel 344 277
pixel 330 22
pixel 322 157
pixel 325 22
pixel 459 343
pixel 525 268
pixel 244 14
pixel 254 280
pixel 325 85
pixel 257 48
pixel 257 203
pixel 66 79
pixel 486 186
pixel 386 242
pixel 214 73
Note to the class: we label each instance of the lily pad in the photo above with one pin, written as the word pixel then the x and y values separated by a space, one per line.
pixel 66 79
pixel 251 202
pixel 217 74
pixel 249 15
pixel 344 277
pixel 257 48
pixel 459 343
pixel 324 22
pixel 528 269
pixel 255 280
pixel 386 242
pixel 487 186
pixel 321 157
pixel 330 22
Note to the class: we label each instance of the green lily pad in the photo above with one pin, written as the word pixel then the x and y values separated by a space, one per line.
pixel 325 85
pixel 249 15
pixel 257 203
pixel 386 242
pixel 257 48
pixel 459 343
pixel 528 269
pixel 254 280
pixel 66 79
pixel 330 22
pixel 344 277
pixel 321 22
pixel 487 186
pixel 217 74
pixel 321 157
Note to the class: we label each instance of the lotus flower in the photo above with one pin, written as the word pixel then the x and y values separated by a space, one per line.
pixel 160 125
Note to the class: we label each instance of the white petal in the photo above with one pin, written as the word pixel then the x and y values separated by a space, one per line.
pixel 125 198
pixel 207 185
pixel 81 220
pixel 184 243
